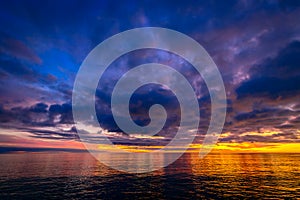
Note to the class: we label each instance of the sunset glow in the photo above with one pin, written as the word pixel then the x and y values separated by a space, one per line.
pixel 257 53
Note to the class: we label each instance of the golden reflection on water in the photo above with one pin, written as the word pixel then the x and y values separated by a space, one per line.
pixel 47 164
pixel 232 164
pixel 262 174
pixel 217 175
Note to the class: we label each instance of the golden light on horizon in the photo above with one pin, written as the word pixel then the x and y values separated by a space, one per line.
pixel 244 147
pixel 23 139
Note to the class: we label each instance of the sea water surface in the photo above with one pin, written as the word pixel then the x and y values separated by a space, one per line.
pixel 62 175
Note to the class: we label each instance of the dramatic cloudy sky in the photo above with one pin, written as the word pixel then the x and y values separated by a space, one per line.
pixel 256 46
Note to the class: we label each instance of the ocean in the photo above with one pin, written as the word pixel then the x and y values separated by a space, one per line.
pixel 68 175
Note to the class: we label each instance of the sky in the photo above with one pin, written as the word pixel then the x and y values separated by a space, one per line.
pixel 255 44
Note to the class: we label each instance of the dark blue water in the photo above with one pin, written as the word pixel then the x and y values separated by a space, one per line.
pixel 61 175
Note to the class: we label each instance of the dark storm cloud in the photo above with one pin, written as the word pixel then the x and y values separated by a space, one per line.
pixel 151 94
pixel 139 106
pixel 270 86
pixel 64 112
pixel 285 64
pixel 275 76
pixel 53 134
pixel 41 121
pixel 148 95
pixel 272 94
pixel 38 115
